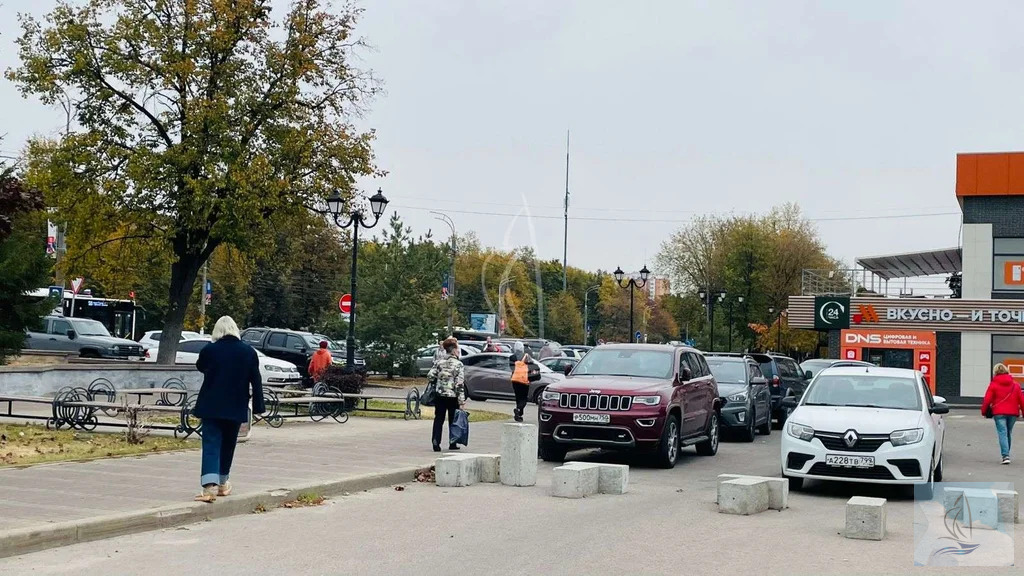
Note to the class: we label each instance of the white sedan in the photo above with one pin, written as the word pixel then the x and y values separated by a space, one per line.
pixel 865 424
pixel 151 340
pixel 272 370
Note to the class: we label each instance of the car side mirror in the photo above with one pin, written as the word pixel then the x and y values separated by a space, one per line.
pixel 304 350
pixel 788 402
pixel 686 375
pixel 808 375
pixel 568 369
pixel 758 380
pixel 72 335
pixel 939 409
pixel 938 400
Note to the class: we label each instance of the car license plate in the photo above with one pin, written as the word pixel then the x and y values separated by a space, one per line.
pixel 849 461
pixel 592 418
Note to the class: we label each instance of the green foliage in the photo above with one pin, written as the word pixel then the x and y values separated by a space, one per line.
pixel 24 266
pixel 564 319
pixel 198 121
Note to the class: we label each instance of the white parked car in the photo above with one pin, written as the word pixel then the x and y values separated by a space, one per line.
pixel 272 370
pixel 865 424
pixel 151 339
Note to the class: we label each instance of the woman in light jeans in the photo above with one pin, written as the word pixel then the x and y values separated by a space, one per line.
pixel 1006 401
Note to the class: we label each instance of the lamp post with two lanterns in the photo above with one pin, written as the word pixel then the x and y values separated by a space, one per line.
pixel 631 284
pixel 708 296
pixel 355 218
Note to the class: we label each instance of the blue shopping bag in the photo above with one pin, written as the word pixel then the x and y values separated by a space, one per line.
pixel 458 431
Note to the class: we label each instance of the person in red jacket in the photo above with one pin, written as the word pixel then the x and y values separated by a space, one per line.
pixel 319 363
pixel 1005 398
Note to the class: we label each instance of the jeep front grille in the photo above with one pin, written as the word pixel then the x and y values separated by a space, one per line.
pixel 602 402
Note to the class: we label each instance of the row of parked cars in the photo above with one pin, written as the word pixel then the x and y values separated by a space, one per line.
pixel 841 420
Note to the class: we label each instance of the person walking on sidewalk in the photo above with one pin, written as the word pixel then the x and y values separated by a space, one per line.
pixel 230 368
pixel 520 364
pixel 320 361
pixel 1004 402
pixel 448 375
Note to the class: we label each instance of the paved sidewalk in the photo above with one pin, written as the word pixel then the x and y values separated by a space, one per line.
pixel 299 453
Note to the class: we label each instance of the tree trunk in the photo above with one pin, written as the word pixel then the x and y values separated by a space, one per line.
pixel 183 280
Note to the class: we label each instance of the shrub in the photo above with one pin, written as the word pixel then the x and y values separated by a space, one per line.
pixel 348 381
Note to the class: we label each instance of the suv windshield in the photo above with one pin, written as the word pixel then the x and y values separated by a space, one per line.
pixel 626 362
pixel 865 391
pixel 728 370
pixel 90 328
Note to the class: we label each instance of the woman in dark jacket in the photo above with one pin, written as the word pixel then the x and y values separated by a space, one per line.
pixel 229 368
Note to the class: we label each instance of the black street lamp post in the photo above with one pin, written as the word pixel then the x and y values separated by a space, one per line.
pixel 708 297
pixel 739 300
pixel 356 218
pixel 778 338
pixel 631 283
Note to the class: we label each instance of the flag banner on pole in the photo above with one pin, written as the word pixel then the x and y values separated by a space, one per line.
pixel 444 288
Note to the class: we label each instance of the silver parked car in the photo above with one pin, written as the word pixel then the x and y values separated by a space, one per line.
pixel 488 375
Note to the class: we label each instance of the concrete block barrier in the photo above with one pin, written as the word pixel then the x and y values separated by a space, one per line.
pixel 575 480
pixel 744 496
pixel 457 470
pixel 1009 506
pixel 613 479
pixel 518 455
pixel 865 518
pixel 778 489
pixel 490 467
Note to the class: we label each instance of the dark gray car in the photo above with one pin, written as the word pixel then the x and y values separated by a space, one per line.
pixel 746 399
pixel 488 376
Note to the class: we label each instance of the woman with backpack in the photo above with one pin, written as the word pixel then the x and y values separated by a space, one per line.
pixel 1003 403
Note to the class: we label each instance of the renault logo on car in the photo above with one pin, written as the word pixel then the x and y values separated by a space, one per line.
pixel 850 438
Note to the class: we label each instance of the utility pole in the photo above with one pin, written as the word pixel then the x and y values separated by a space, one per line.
pixel 586 312
pixel 451 275
pixel 565 240
pixel 202 302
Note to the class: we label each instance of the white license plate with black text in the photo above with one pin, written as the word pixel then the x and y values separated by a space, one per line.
pixel 849 461
pixel 592 418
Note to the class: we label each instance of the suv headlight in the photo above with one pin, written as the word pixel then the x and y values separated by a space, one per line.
pixel 550 396
pixel 738 397
pixel 904 437
pixel 800 431
pixel 647 400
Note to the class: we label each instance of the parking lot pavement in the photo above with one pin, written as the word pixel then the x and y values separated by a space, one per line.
pixel 667 523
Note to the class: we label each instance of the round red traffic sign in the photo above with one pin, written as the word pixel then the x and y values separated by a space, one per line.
pixel 345 303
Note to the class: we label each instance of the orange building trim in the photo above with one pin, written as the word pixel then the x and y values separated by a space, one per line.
pixel 990 174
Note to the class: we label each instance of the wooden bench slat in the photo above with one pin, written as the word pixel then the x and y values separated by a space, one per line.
pixel 309 400
pixel 113 405
pixel 32 399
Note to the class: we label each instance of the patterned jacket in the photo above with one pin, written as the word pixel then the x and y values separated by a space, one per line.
pixel 449 376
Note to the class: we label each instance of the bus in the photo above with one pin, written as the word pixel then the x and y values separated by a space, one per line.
pixel 118 316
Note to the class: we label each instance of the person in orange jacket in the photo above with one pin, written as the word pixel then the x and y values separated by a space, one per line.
pixel 1006 401
pixel 320 361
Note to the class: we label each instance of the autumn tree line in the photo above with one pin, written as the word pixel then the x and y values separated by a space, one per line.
pixel 207 136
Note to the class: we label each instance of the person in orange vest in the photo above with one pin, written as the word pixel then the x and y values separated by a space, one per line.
pixel 320 361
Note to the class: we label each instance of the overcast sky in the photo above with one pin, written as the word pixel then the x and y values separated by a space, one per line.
pixel 853 110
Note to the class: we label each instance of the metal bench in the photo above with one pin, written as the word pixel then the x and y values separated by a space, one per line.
pixel 412 399
pixel 322 403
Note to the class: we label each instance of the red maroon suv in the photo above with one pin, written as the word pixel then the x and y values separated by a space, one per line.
pixel 649 397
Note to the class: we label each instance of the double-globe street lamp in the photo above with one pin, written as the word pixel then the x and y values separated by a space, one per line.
pixel 631 283
pixel 708 297
pixel 356 218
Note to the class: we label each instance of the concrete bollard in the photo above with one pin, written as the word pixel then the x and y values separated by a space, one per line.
pixel 865 518
pixel 613 479
pixel 778 489
pixel 1009 506
pixel 984 506
pixel 490 467
pixel 575 480
pixel 743 496
pixel 456 470
pixel 519 455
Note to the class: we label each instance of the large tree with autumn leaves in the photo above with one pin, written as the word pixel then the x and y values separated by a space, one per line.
pixel 195 121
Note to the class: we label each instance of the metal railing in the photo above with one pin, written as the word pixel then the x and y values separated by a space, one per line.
pixel 861 282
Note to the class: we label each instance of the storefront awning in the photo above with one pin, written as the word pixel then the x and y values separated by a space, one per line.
pixel 913 264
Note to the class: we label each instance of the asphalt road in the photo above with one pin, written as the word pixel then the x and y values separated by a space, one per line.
pixel 667 523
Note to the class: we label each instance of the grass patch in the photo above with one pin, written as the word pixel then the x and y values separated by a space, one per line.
pixel 403 382
pixel 305 500
pixel 427 412
pixel 22 445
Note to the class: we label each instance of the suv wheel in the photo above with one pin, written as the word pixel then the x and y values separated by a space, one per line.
pixel 748 432
pixel 668 448
pixel 783 416
pixel 709 447
pixel 766 428
pixel 551 452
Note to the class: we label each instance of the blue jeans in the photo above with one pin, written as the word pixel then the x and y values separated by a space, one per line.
pixel 219 440
pixel 1004 429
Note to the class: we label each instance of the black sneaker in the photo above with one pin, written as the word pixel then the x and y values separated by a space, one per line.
pixel 437 447
pixel 453 447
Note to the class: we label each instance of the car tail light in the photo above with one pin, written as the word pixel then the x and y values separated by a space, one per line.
pixel 775 381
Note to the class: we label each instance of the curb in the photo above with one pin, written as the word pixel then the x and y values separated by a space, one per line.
pixel 36 538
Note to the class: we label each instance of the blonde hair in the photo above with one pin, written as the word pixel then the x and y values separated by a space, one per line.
pixel 1000 369
pixel 224 327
